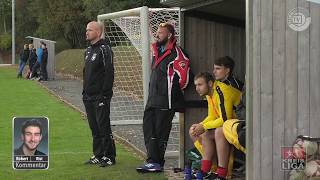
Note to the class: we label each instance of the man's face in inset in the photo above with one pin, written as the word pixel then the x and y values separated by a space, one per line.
pixel 220 72
pixel 31 137
pixel 163 36
pixel 202 87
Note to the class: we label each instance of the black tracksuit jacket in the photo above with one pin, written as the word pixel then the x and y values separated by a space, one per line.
pixel 98 72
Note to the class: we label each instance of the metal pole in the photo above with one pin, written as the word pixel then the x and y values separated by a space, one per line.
pixel 13 36
pixel 249 90
pixel 181 115
pixel 146 65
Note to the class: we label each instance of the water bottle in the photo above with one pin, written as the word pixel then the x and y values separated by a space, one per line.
pixel 199 175
pixel 187 173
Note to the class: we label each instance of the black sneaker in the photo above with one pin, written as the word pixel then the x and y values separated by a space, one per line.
pixel 93 160
pixel 150 167
pixel 105 161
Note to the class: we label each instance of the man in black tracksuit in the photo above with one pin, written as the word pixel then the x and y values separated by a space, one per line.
pixel 98 77
pixel 44 62
pixel 31 60
pixel 24 56
pixel 164 99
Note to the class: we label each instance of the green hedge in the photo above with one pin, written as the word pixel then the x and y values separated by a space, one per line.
pixel 5 41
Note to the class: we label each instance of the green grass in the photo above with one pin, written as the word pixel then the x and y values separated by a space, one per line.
pixel 70 137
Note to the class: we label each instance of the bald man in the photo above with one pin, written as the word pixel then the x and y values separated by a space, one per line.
pixel 98 77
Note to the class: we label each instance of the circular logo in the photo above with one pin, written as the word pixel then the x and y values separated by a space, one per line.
pixel 298 19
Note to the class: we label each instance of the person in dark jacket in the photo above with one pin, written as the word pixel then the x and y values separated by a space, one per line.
pixel 165 96
pixel 24 55
pixel 32 59
pixel 98 77
pixel 36 67
pixel 44 62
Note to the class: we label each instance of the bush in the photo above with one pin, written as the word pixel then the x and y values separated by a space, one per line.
pixel 5 41
pixel 61 45
pixel 70 62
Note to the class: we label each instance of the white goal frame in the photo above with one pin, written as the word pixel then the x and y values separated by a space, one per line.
pixel 143 13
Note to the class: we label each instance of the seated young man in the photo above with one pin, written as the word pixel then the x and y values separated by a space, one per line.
pixel 233 132
pixel 222 96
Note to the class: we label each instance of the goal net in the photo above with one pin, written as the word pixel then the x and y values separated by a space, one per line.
pixel 131 33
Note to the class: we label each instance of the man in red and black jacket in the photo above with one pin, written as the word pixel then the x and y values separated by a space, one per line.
pixel 169 76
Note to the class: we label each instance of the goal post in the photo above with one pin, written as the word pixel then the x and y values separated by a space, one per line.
pixel 145 40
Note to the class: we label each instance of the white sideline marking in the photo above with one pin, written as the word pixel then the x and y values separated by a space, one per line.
pixel 2 65
pixel 167 154
pixel 61 153
pixel 134 122
pixel 171 154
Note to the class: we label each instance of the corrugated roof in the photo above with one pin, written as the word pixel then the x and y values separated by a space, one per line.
pixel 227 8
pixel 186 3
pixel 30 37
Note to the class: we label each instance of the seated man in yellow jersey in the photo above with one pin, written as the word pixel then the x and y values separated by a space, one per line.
pixel 234 132
pixel 222 95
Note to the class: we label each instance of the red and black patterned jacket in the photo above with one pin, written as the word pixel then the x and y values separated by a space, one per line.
pixel 169 76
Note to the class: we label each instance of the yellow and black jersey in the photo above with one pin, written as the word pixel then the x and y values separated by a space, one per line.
pixel 221 104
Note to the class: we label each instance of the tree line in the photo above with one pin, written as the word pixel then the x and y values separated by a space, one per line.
pixel 59 20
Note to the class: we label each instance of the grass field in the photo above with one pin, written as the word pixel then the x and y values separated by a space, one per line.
pixel 70 138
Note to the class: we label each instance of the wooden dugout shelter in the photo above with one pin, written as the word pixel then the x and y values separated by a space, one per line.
pixel 281 66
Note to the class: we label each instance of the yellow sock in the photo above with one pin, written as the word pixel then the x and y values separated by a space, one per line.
pixel 230 164
pixel 198 145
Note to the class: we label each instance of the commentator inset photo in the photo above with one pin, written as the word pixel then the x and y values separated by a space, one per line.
pixel 30 143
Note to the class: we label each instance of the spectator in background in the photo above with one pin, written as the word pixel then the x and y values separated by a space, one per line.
pixel 36 67
pixel 31 60
pixel 24 56
pixel 44 62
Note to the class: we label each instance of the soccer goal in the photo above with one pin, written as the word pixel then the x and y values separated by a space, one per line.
pixel 131 33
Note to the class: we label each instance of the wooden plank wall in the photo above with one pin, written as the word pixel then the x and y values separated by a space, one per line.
pixel 285 83
pixel 204 42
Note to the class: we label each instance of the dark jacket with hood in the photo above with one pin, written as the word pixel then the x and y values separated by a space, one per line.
pixel 165 91
pixel 32 58
pixel 98 72
pixel 44 57
pixel 24 55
